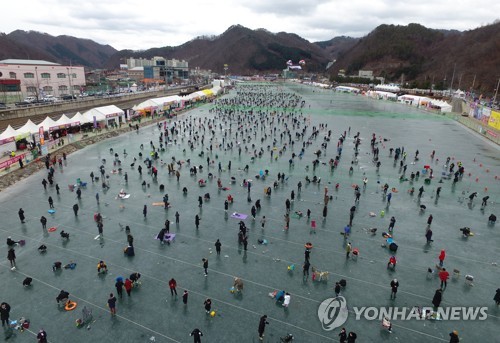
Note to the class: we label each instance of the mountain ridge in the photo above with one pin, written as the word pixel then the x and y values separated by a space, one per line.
pixel 62 49
pixel 411 53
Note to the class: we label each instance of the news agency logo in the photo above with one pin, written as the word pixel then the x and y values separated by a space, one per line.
pixel 333 313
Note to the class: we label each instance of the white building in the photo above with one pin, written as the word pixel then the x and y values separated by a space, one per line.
pixel 40 78
pixel 159 68
pixel 367 74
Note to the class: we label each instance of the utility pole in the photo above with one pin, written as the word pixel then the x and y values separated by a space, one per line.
pixel 473 82
pixel 69 81
pixel 37 84
pixel 70 76
pixel 496 91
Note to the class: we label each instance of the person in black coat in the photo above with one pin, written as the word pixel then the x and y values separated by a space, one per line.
pixel 21 215
pixel 11 242
pixel 343 335
pixel 42 336
pixel 205 265
pixel 218 245
pixel 262 326
pixel 11 256
pixel 4 313
pixel 454 337
pixel 130 240
pixel 497 297
pixel 438 296
pixel 43 220
pixel 161 235
pixel 75 209
pixel 62 296
pixel 351 337
pixel 307 254
pixel 196 334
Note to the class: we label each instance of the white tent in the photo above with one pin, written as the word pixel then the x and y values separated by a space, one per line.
pixel 414 100
pixel 65 121
pixel 345 89
pixel 170 99
pixel 105 114
pixel 29 127
pixel 194 96
pixel 218 83
pixel 382 95
pixel 78 117
pixel 443 105
pixel 201 94
pixel 149 104
pixel 388 88
pixel 8 133
pixel 7 140
pixel 47 124
pixel 459 94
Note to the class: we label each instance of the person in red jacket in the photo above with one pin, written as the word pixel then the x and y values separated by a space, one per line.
pixel 172 284
pixel 128 286
pixel 444 276
pixel 392 262
pixel 442 256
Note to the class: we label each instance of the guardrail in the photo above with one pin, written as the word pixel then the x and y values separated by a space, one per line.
pixel 85 102
pixel 478 126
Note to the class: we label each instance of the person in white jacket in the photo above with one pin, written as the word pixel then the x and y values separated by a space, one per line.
pixel 286 302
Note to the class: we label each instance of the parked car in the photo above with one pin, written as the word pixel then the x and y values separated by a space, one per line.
pixel 22 104
pixel 30 99
pixel 68 97
pixel 49 98
pixel 3 106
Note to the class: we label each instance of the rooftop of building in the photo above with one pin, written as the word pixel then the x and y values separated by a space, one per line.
pixel 28 62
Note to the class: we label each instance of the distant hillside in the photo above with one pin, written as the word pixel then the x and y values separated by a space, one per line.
pixel 245 51
pixel 60 49
pixel 416 53
pixel 337 46
pixel 12 49
pixel 413 53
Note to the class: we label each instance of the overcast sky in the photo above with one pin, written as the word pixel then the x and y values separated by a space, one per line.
pixel 134 24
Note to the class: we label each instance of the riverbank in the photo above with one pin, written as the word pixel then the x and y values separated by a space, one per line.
pixel 15 173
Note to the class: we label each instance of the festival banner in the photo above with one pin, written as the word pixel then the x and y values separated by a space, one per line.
pixel 11 161
pixel 485 114
pixel 7 140
pixel 41 135
pixel 494 120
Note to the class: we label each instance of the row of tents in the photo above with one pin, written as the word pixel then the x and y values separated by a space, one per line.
pixel 408 99
pixel 102 116
pixel 109 114
pixel 412 100
pixel 98 114
pixel 175 101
